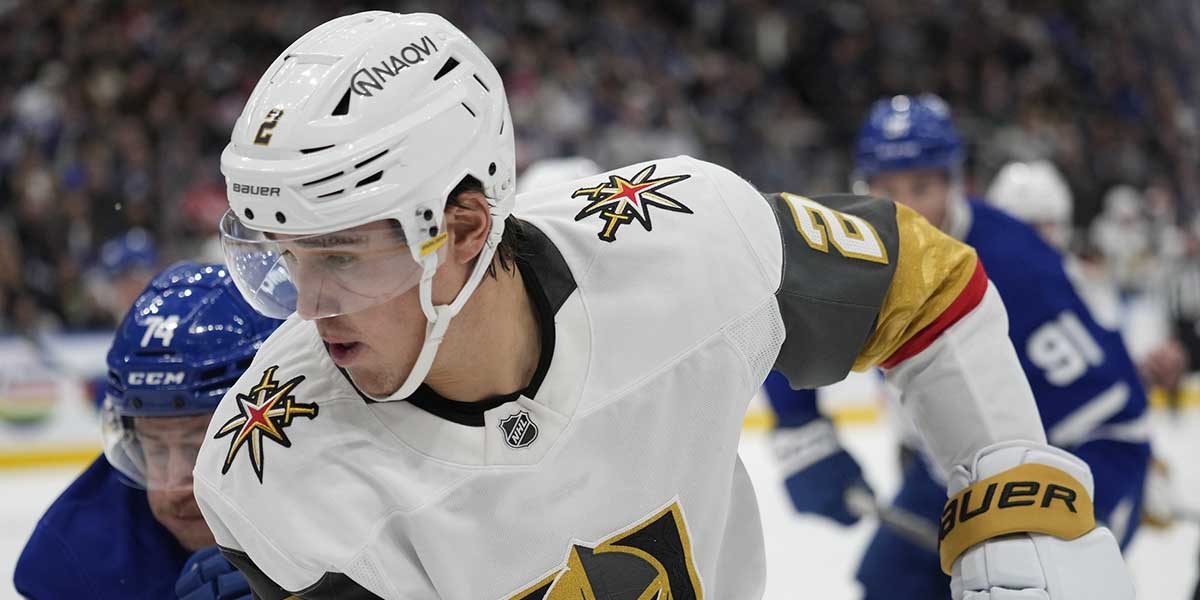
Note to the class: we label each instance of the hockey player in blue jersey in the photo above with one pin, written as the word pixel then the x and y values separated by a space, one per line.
pixel 129 528
pixel 1087 388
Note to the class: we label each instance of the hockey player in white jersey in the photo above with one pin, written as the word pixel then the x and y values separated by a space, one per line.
pixel 466 403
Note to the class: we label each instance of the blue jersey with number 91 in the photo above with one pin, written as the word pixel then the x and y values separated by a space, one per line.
pixel 1087 388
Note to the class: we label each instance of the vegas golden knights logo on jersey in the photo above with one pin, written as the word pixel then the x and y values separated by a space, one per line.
pixel 621 201
pixel 651 560
pixel 266 411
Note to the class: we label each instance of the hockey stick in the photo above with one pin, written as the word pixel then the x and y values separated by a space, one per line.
pixel 911 527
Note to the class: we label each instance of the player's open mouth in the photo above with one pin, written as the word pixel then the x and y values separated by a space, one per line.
pixel 343 353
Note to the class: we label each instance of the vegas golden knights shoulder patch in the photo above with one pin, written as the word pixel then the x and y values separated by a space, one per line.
pixel 620 201
pixel 268 409
pixel 651 559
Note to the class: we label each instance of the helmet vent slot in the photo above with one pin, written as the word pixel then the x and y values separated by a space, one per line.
pixel 369 180
pixel 323 179
pixel 210 373
pixel 331 194
pixel 446 68
pixel 317 149
pixel 359 165
pixel 343 105
pixel 214 386
pixel 481 83
pixel 464 105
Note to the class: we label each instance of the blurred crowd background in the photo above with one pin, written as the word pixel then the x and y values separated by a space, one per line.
pixel 113 114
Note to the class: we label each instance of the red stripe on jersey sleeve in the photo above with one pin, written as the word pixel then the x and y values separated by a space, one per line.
pixel 968 299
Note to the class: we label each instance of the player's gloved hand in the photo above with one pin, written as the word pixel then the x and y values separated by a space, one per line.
pixel 207 575
pixel 818 472
pixel 1027 530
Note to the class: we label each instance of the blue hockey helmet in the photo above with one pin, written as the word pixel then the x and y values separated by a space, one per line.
pixel 186 340
pixel 132 250
pixel 903 133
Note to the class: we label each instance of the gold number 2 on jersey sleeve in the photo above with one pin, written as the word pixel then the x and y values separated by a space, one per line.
pixel 820 225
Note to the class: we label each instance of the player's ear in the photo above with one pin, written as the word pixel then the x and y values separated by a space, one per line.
pixel 467 220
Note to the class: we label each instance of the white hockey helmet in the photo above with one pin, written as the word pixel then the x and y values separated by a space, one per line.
pixel 351 142
pixel 1037 193
pixel 1034 192
pixel 1122 202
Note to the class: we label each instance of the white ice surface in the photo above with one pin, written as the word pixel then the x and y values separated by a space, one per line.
pixel 807 557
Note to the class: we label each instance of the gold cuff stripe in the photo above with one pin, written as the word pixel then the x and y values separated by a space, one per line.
pixel 1031 498
pixel 932 269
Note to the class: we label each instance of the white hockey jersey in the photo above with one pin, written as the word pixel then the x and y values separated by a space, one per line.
pixel 665 291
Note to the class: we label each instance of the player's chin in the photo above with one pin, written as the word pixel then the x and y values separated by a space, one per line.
pixel 192 532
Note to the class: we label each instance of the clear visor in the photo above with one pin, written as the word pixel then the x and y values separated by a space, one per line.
pixel 319 275
pixel 153 453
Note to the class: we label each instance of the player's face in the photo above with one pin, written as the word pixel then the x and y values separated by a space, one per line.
pixel 350 270
pixel 926 191
pixel 379 345
pixel 170 445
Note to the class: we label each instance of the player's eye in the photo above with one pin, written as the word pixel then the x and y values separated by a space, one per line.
pixel 339 261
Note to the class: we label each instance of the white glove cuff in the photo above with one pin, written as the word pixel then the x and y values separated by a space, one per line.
pixel 998 458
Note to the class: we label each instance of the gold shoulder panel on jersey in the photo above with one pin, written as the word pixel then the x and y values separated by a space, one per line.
pixel 932 270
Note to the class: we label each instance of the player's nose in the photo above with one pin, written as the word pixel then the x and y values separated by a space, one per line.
pixel 312 299
pixel 179 469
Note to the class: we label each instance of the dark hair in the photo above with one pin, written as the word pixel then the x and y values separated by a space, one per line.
pixel 510 249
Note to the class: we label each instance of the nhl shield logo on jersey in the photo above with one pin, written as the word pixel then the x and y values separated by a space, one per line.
pixel 519 430
pixel 620 201
pixel 268 409
pixel 652 559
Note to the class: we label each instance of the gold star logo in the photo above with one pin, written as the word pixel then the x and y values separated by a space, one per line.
pixel 621 201
pixel 267 410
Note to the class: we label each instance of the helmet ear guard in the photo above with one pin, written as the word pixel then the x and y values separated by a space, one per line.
pixel 370 117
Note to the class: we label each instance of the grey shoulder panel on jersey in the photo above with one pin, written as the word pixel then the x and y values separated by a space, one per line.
pixel 829 302
pixel 330 586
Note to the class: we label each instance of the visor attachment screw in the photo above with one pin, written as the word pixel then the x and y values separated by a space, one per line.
pixel 492 169
pixel 179 402
pixel 433 231
pixel 136 402
pixel 428 214
pixel 249 213
pixel 279 216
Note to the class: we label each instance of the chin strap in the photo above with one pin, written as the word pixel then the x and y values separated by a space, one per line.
pixel 439 316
